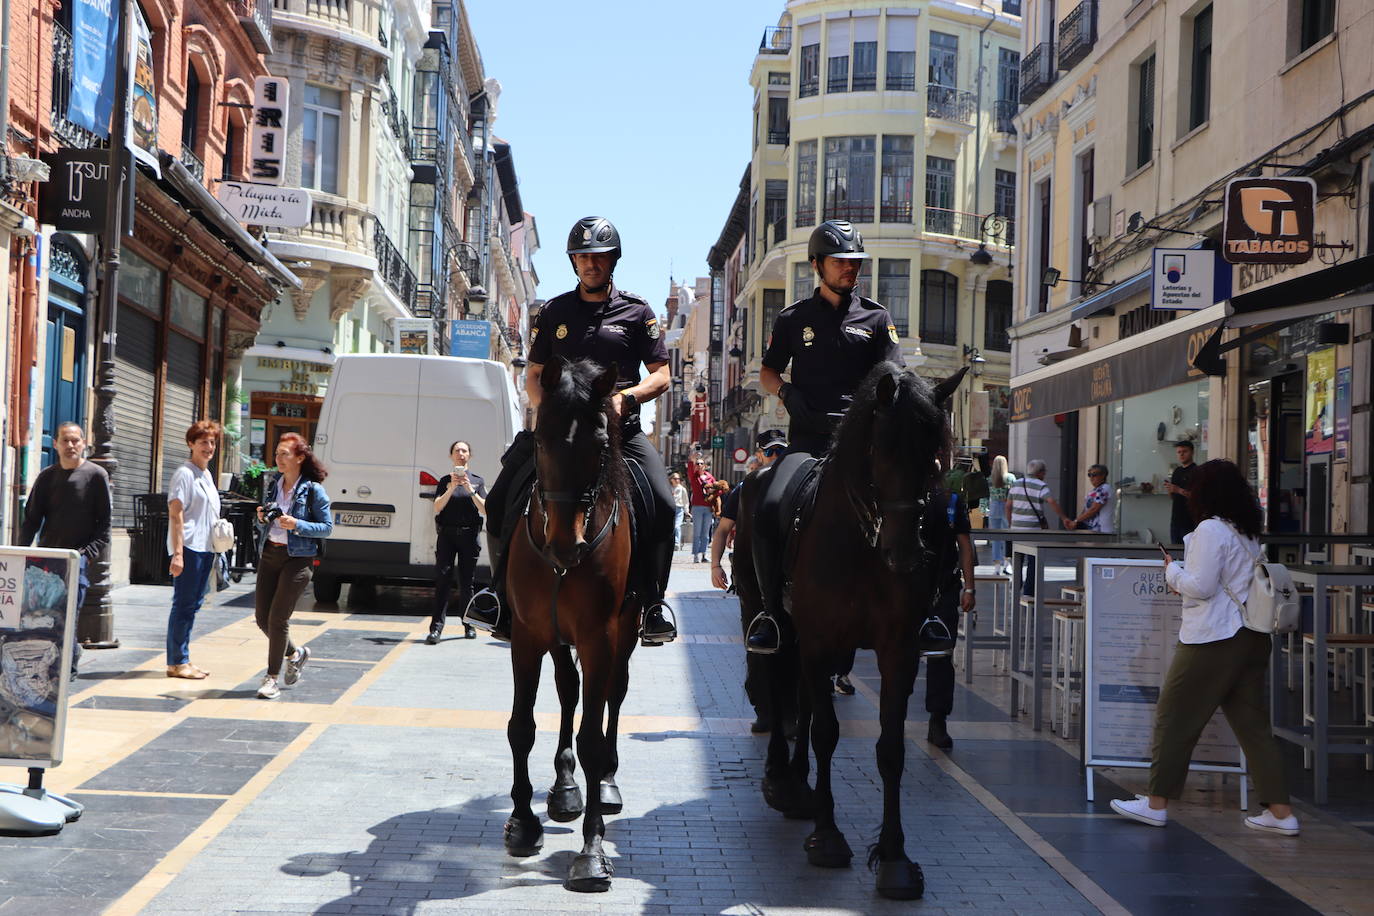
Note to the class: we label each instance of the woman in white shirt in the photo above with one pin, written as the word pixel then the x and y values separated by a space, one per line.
pixel 1218 661
pixel 192 508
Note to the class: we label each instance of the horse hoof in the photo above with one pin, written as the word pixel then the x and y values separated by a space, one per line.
pixel 565 803
pixel 589 874
pixel 795 802
pixel 828 849
pixel 611 802
pixel 524 837
pixel 901 880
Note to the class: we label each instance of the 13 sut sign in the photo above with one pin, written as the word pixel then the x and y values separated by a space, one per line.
pixel 1269 220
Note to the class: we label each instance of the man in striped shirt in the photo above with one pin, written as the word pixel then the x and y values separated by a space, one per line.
pixel 1029 502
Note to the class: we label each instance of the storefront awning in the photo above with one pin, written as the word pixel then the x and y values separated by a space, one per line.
pixel 1344 286
pixel 1110 297
pixel 1155 359
pixel 298 354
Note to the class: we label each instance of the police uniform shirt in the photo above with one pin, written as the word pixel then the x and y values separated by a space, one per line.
pixel 831 349
pixel 729 506
pixel 461 511
pixel 622 330
pixel 946 517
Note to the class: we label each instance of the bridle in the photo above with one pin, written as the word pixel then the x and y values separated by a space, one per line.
pixel 870 508
pixel 587 498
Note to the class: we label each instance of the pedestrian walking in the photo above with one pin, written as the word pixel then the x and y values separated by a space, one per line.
pixel 192 509
pixel 460 502
pixel 1098 515
pixel 1178 485
pixel 948 536
pixel 681 500
pixel 701 481
pixel 69 507
pixel 999 518
pixel 1031 502
pixel 296 519
pixel 1218 661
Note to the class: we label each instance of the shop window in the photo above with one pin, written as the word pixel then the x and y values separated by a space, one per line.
pixel 939 307
pixel 188 309
pixel 140 281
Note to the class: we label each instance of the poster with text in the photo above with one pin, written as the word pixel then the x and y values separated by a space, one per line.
pixel 37 627
pixel 1132 625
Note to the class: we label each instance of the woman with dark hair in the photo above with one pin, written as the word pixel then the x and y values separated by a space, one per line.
pixel 192 508
pixel 1218 661
pixel 460 501
pixel 295 516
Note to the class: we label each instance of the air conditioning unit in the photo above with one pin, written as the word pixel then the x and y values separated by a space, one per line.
pixel 1100 218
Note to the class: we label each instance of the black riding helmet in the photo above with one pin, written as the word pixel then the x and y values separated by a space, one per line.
pixel 594 235
pixel 835 238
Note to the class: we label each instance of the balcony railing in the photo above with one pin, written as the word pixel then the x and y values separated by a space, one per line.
pixel 391 264
pixel 809 86
pixel 895 212
pixel 62 65
pixel 1004 116
pixel 339 12
pixel 901 82
pixel 1037 72
pixel 470 264
pixel 776 40
pixel 953 222
pixel 428 149
pixel 396 119
pixel 1077 34
pixel 739 399
pixel 950 104
pixel 256 18
pixel 855 213
pixel 193 163
pixel 778 137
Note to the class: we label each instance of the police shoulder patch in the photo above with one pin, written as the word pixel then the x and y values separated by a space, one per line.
pixel 651 326
pixel 892 333
pixel 633 297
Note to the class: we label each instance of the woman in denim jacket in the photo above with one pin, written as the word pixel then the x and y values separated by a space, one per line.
pixel 295 515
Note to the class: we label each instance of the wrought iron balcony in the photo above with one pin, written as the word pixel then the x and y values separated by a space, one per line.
pixel 256 18
pixel 1004 116
pixel 738 400
pixel 950 104
pixel 776 40
pixel 1077 34
pixel 391 264
pixel 779 137
pixel 62 66
pixel 1037 72
pixel 193 163
pixel 953 222
pixel 429 156
pixel 470 264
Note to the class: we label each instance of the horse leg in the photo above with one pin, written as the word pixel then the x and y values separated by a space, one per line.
pixel 784 784
pixel 826 846
pixel 565 798
pixel 524 835
pixel 898 877
pixel 591 869
pixel 611 802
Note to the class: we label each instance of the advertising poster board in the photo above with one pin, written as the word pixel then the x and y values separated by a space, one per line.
pixel 1131 628
pixel 37 629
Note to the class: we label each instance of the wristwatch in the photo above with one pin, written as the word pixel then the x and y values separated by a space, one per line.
pixel 969 591
pixel 628 399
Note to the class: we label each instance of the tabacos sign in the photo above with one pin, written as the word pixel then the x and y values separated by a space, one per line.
pixel 1269 220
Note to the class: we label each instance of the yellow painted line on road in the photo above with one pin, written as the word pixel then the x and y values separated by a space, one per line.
pixel 152 794
pixel 1090 889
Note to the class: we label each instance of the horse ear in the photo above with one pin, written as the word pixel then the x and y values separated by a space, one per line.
pixel 553 372
pixel 948 386
pixel 605 382
pixel 887 390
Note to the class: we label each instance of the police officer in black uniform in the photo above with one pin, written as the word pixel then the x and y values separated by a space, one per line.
pixel 597 321
pixel 832 340
pixel 948 538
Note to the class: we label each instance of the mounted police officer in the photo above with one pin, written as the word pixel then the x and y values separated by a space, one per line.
pixel 832 340
pixel 595 321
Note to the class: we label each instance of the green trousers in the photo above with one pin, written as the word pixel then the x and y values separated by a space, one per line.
pixel 1228 673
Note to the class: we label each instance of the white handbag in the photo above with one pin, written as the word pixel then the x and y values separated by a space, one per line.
pixel 222 536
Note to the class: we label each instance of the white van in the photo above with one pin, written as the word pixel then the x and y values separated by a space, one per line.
pixel 384 435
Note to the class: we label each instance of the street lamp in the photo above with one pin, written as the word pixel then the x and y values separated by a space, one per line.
pixel 974 359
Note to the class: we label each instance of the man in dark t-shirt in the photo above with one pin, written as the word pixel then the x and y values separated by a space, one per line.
pixel 1180 519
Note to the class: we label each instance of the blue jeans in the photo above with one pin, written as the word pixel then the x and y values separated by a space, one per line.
pixel 679 514
pixel 701 530
pixel 997 521
pixel 83 583
pixel 188 591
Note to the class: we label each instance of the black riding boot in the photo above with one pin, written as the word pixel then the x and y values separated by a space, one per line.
pixel 656 628
pixel 765 636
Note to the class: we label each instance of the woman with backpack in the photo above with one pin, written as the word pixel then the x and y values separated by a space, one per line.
pixel 295 513
pixel 1219 662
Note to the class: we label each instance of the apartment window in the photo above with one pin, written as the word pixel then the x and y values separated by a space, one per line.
pixel 849 173
pixel 775 208
pixel 751 247
pixel 773 302
pixel 190 118
pixel 1011 7
pixel 756 127
pixel 901 53
pixel 809 79
pixel 1004 200
pixel 837 57
pixel 939 307
pixel 1317 20
pixel 806 183
pixel 1085 203
pixel 940 195
pixel 1141 145
pixel 777 120
pixel 865 54
pixel 233 141
pixel 898 167
pixel 803 282
pixel 1042 243
pixel 998 298
pixel 944 60
pixel 894 291
pixel 1008 74
pixel 1200 92
pixel 322 111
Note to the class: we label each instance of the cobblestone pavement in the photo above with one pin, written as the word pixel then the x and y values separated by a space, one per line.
pixel 379 784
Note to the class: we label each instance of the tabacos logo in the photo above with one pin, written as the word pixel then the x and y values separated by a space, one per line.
pixel 1269 220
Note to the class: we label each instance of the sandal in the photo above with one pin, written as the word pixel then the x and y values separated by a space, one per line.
pixel 199 670
pixel 188 671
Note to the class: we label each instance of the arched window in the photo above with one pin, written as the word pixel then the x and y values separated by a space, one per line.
pixel 939 307
pixel 998 316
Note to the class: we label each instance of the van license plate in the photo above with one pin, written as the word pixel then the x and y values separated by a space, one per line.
pixel 363 519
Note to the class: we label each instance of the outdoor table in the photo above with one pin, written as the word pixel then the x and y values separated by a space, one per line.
pixel 1046 550
pixel 1321 579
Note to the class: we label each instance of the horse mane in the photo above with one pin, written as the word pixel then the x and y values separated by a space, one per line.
pixel 575 397
pixel 919 430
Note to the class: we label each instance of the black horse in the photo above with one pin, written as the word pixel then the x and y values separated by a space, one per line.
pixel 856 578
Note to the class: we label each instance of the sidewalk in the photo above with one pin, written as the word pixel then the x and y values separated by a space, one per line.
pixel 379 784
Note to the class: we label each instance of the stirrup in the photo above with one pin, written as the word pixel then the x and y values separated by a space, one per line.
pixel 762 618
pixel 657 639
pixel 935 639
pixel 490 604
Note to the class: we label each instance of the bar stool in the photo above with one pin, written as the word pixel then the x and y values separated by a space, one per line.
pixel 1026 649
pixel 1001 613
pixel 1335 643
pixel 1066 667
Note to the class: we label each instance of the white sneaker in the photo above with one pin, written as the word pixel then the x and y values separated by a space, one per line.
pixel 269 689
pixel 294 664
pixel 1138 809
pixel 1287 826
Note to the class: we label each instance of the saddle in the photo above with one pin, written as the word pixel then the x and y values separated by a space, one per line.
pixel 784 507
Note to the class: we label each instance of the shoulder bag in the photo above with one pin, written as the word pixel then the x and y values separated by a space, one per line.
pixel 222 537
pixel 1025 494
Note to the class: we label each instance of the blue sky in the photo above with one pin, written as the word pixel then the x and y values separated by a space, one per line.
pixel 637 110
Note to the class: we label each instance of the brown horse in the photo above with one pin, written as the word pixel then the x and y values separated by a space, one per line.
pixel 858 578
pixel 567 580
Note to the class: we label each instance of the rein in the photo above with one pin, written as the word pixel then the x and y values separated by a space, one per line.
pixel 869 507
